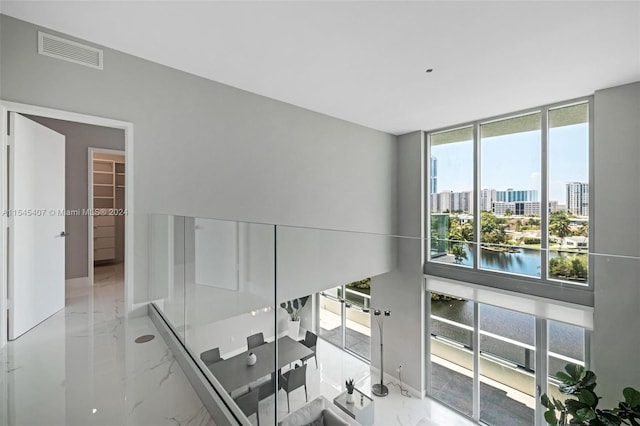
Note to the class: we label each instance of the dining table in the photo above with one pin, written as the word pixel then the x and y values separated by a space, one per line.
pixel 235 372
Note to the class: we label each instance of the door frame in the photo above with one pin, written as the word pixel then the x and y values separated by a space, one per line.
pixel 343 320
pixel 5 108
pixel 90 153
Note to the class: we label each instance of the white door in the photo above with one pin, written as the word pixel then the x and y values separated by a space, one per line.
pixel 36 224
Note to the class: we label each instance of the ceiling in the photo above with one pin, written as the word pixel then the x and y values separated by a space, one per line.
pixel 365 61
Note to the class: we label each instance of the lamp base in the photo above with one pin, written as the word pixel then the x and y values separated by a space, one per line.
pixel 379 390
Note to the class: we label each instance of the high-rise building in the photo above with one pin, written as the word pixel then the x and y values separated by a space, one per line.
pixel 444 201
pixel 578 198
pixel 487 198
pixel 521 208
pixel 434 175
pixel 462 201
pixel 513 195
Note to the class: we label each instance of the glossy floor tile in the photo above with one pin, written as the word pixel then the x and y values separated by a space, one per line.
pixel 82 367
pixel 334 366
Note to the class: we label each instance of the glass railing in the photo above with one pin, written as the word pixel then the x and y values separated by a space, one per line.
pixel 244 299
pixel 276 317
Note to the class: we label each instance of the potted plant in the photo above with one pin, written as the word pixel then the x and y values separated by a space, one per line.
pixel 349 383
pixel 582 408
pixel 294 308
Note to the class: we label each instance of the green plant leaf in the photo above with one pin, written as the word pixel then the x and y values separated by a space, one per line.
pixel 573 405
pixel 564 377
pixel 575 371
pixel 588 397
pixel 586 413
pixel 610 419
pixel 550 417
pixel 589 380
pixel 544 400
pixel 631 397
pixel 558 405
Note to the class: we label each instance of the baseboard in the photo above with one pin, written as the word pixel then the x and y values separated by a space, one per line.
pixel 139 310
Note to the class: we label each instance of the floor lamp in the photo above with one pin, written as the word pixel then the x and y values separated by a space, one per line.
pixel 379 389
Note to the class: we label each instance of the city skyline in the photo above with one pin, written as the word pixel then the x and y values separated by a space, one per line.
pixel 517 157
pixel 577 200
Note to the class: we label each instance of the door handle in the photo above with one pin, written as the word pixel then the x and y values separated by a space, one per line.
pixel 64 234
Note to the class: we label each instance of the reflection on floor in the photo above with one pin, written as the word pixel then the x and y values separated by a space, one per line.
pixel 357 336
pixel 497 409
pixel 354 341
pixel 82 367
pixel 108 274
pixel 334 366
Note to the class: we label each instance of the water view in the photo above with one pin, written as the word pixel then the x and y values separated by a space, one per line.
pixel 524 262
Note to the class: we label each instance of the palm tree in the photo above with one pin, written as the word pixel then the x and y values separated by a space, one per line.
pixel 459 254
pixel 559 224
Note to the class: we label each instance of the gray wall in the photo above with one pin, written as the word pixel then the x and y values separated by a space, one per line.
pixel 79 137
pixel 616 224
pixel 401 290
pixel 206 149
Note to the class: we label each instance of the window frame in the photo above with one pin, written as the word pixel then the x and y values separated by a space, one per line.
pixel 541 353
pixel 544 286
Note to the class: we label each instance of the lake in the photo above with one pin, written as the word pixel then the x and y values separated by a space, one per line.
pixel 525 262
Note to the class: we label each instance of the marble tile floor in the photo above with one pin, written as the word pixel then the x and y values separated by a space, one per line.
pixel 334 365
pixel 82 367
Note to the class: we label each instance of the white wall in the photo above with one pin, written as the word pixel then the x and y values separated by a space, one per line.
pixel 401 290
pixel 309 261
pixel 216 249
pixel 616 223
pixel 209 150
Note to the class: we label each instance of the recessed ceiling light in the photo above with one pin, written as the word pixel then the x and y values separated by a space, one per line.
pixel 429 70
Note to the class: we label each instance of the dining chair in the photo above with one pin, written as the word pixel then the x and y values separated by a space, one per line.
pixel 310 341
pixel 255 340
pixel 248 403
pixel 211 356
pixel 267 387
pixel 293 379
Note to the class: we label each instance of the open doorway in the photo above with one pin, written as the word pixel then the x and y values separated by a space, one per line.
pixel 106 224
pixel 77 211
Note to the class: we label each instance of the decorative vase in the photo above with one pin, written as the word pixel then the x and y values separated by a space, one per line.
pixel 294 329
pixel 349 398
pixel 251 358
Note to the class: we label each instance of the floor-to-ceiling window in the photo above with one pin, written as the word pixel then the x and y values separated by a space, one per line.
pixel 488 362
pixel 344 317
pixel 452 340
pixel 507 366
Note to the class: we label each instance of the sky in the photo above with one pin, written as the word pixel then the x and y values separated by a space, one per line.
pixel 513 161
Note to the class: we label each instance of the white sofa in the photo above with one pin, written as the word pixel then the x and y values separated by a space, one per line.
pixel 314 410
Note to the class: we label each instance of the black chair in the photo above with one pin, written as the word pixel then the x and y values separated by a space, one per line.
pixel 267 388
pixel 211 356
pixel 248 403
pixel 255 340
pixel 293 379
pixel 310 341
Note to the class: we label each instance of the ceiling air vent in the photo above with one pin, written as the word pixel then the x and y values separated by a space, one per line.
pixel 68 50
